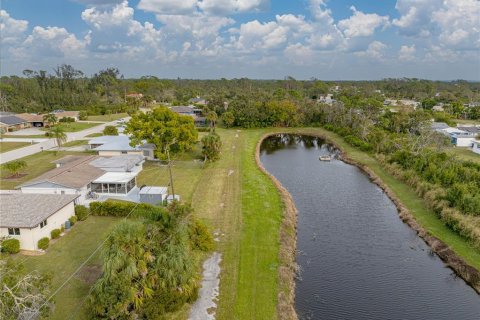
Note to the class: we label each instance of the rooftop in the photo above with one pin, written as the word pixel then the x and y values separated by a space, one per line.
pixel 124 162
pixel 114 143
pixel 184 109
pixel 11 120
pixel 30 117
pixel 115 177
pixel 19 210
pixel 154 190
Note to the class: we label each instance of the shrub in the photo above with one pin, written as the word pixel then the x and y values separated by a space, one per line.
pixel 55 233
pixel 83 115
pixel 356 142
pixel 119 208
pixel 200 237
pixel 43 243
pixel 81 212
pixel 110 131
pixel 11 246
pixel 66 120
pixel 73 220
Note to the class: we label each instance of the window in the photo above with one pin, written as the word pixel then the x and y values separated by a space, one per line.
pixel 43 223
pixel 62 192
pixel 14 231
pixel 124 152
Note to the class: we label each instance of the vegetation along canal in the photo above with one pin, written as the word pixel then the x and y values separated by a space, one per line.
pixel 358 260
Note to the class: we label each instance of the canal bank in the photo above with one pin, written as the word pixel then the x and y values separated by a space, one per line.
pixel 462 268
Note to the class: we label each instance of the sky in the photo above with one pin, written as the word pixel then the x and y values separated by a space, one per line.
pixel 263 39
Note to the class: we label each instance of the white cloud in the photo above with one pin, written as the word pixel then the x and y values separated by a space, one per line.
pixel 168 6
pixel 11 30
pixel 362 24
pixel 255 35
pixel 298 54
pixel 415 16
pixel 407 53
pixel 320 13
pixel 222 7
pixel 375 50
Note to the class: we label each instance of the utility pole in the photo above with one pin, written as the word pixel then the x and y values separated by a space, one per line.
pixel 170 170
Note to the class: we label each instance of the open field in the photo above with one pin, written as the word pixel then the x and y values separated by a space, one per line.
pixel 36 165
pixel 465 154
pixel 7 146
pixel 65 256
pixel 75 126
pixel 107 117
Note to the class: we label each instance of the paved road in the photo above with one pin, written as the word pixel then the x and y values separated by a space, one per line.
pixel 50 143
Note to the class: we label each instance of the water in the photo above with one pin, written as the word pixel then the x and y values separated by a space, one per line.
pixel 358 259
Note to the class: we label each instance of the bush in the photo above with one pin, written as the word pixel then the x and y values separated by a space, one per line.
pixel 356 142
pixel 83 115
pixel 11 246
pixel 200 237
pixel 110 131
pixel 73 220
pixel 55 233
pixel 43 243
pixel 66 120
pixel 81 212
pixel 119 208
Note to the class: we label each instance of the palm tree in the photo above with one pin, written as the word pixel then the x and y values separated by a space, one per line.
pixel 212 117
pixel 14 167
pixel 58 133
pixel 50 119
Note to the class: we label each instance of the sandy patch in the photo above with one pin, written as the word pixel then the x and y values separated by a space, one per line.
pixel 205 306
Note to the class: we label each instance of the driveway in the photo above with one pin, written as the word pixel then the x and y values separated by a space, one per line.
pixel 50 143
pixel 27 132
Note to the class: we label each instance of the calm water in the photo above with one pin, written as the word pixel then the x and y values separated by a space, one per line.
pixel 358 260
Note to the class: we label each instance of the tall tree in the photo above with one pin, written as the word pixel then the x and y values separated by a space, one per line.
pixel 211 146
pixel 58 133
pixel 50 119
pixel 14 167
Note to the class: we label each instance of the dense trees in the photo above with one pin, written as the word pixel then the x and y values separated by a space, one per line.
pixel 165 129
pixel 110 131
pixel 211 145
pixel 149 265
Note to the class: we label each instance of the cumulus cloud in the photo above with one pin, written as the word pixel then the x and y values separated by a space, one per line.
pixel 11 29
pixel 407 53
pixel 222 7
pixel 299 54
pixel 168 6
pixel 375 50
pixel 362 24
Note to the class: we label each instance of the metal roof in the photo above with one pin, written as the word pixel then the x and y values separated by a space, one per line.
pixel 115 177
pixel 27 210
pixel 11 120
pixel 124 162
pixel 153 190
pixel 115 143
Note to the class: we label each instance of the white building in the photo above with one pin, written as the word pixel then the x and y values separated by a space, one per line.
pixel 31 217
pixel 118 145
pixel 327 99
pixel 89 177
pixel 476 146
pixel 153 195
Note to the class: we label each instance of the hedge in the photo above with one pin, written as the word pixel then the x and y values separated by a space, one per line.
pixel 43 243
pixel 120 208
pixel 73 220
pixel 81 212
pixel 55 233
pixel 11 246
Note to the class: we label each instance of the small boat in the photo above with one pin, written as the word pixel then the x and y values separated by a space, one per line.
pixel 325 158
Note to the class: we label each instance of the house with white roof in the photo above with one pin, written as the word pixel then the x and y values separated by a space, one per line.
pixel 476 146
pixel 120 145
pixel 31 217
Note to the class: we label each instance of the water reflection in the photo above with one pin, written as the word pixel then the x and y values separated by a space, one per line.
pixel 282 141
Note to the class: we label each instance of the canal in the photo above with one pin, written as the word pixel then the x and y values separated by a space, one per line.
pixel 357 259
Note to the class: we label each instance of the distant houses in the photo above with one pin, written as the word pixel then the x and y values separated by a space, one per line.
pixel 120 145
pixel 192 111
pixel 462 136
pixel 14 122
pixel 10 123
pixel 31 217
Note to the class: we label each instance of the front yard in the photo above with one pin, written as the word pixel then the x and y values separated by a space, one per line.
pixel 8 146
pixel 107 117
pixel 64 256
pixel 75 126
pixel 37 164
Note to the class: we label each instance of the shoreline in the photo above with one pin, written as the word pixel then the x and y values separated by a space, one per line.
pixel 288 266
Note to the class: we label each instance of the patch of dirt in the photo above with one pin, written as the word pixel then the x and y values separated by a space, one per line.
pixel 89 274
pixel 13 177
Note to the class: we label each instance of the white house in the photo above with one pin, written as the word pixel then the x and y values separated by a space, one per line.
pixel 327 99
pixel 30 217
pixel 89 177
pixel 120 145
pixel 461 140
pixel 153 195
pixel 476 146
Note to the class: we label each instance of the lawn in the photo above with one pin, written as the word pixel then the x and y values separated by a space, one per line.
pixel 75 126
pixel 65 256
pixel 75 143
pixel 33 136
pixel 107 117
pixel 465 154
pixel 36 165
pixel 8 146
pixel 93 135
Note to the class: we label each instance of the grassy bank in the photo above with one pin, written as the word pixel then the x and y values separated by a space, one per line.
pixel 408 197
pixel 8 146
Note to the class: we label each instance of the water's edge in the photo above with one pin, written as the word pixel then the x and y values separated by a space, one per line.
pixel 288 232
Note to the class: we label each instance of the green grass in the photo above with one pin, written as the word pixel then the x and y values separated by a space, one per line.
pixel 93 135
pixel 75 143
pixel 8 146
pixel 36 165
pixel 33 136
pixel 461 121
pixel 65 256
pixel 74 126
pixel 107 118
pixel 409 199
pixel 465 154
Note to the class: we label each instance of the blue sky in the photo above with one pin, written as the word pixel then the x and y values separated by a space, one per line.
pixel 326 39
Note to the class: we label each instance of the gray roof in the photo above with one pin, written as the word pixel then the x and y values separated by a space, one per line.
pixel 439 125
pixel 6 113
pixel 470 129
pixel 184 109
pixel 115 143
pixel 153 190
pixel 20 210
pixel 11 120
pixel 124 162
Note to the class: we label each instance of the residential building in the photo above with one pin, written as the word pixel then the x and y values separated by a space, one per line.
pixel 198 101
pixel 476 146
pixel 12 123
pixel 187 110
pixel 31 217
pixel 328 99
pixel 120 145
pixel 89 177
pixel 461 140
pixel 34 120
pixel 60 114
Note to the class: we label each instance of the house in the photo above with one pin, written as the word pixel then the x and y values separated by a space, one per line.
pixel 439 126
pixel 198 101
pixel 34 120
pixel 153 195
pixel 476 146
pixel 471 130
pixel 187 110
pixel 328 99
pixel 89 177
pixel 120 145
pixel 30 217
pixel 462 140
pixel 135 96
pixel 12 123
pixel 60 114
